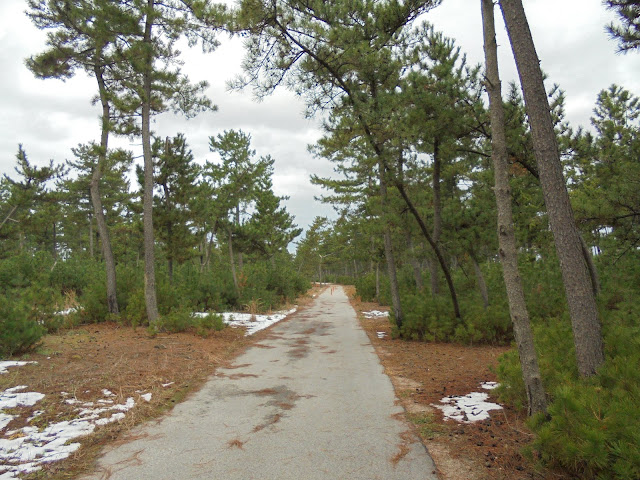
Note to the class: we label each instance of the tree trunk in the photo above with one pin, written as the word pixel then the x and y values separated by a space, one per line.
pixel 233 262
pixel 593 271
pixel 388 252
pixel 575 273
pixel 506 232
pixel 96 198
pixel 435 247
pixel 147 206
pixel 437 216
pixel 169 225
pixel 239 255
pixel 91 249
pixel 377 282
pixel 482 285
pixel 417 273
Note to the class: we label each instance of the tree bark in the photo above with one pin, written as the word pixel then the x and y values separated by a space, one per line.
pixel 388 251
pixel 91 252
pixel 593 271
pixel 415 264
pixel 575 273
pixel 147 206
pixel 96 198
pixel 239 255
pixel 437 216
pixel 506 233
pixel 482 285
pixel 233 262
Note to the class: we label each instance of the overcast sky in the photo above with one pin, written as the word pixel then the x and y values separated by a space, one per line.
pixel 49 117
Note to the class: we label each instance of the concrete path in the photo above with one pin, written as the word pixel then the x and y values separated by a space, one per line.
pixel 309 402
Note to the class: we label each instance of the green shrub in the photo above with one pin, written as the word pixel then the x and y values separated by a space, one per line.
pixel 19 328
pixel 207 323
pixel 135 313
pixel 176 321
pixel 593 428
pixel 366 288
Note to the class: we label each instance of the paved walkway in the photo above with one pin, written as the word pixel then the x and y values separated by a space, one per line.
pixel 309 402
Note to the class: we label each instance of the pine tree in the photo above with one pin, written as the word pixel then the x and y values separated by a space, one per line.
pixel 627 33
pixel 270 229
pixel 176 177
pixel 235 182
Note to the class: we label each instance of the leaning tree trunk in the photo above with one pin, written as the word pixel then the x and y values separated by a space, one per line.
pixel 575 272
pixel 506 232
pixel 388 252
pixel 147 204
pixel 96 198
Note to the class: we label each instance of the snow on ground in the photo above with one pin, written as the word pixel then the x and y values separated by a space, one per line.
pixel 469 408
pixel 381 334
pixel 5 364
pixel 24 450
pixel 375 314
pixel 489 385
pixel 253 323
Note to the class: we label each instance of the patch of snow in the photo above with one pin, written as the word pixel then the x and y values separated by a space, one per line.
pixel 375 314
pixel 489 385
pixel 167 384
pixel 146 397
pixel 32 448
pixel 10 399
pixel 108 393
pixel 468 408
pixel 8 363
pixel 112 418
pixel 253 323
pixel 67 311
pixel 381 334
pixel 5 419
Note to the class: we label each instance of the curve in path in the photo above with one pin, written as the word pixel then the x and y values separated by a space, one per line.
pixel 309 402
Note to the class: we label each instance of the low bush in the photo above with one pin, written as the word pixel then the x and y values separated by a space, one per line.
pixel 181 320
pixel 366 288
pixel 19 327
pixel 592 428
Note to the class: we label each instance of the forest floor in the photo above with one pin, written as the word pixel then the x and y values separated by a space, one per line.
pixel 95 364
